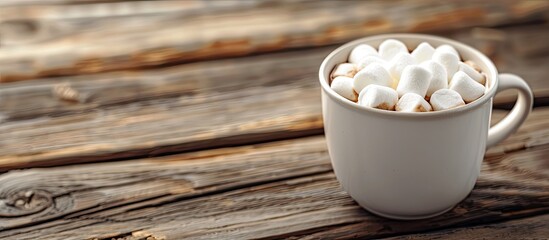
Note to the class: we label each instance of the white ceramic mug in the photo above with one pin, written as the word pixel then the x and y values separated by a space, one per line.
pixel 414 165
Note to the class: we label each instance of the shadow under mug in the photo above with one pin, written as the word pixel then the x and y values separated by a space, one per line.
pixel 414 165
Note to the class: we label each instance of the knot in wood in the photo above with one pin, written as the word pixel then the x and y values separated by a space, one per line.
pixel 25 202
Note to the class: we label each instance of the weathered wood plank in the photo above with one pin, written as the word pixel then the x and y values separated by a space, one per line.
pixel 60 2
pixel 528 228
pixel 274 190
pixel 195 106
pixel 81 39
pixel 170 110
pixel 102 186
pixel 534 132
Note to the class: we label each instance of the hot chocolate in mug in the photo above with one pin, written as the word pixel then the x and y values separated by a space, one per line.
pixel 414 165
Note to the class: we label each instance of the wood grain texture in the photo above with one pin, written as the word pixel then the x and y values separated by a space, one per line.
pixel 275 190
pixel 534 132
pixel 89 188
pixel 161 103
pixel 175 109
pixel 207 104
pixel 528 228
pixel 58 2
pixel 55 40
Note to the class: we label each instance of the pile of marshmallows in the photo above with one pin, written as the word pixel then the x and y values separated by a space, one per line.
pixel 392 78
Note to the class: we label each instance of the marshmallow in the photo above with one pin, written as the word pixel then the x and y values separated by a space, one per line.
pixel 449 49
pixel 376 96
pixel 414 79
pixel 466 87
pixel 344 87
pixel 448 60
pixel 398 63
pixel 469 70
pixel 390 48
pixel 411 102
pixel 445 99
pixel 369 60
pixel 344 69
pixel 361 51
pixel 423 52
pixel 374 73
pixel 439 78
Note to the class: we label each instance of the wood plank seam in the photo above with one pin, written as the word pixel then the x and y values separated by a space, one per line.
pixel 217 38
pixel 540 200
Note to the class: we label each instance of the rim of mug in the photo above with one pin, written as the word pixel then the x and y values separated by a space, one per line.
pixel 491 75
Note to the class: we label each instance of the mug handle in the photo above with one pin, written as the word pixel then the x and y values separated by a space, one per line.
pixel 518 114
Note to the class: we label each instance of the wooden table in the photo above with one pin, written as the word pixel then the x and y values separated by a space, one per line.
pixel 202 119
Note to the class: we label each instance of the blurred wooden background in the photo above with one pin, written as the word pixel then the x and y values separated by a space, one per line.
pixel 156 78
